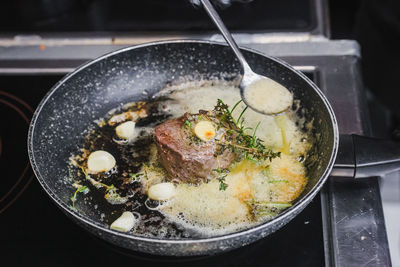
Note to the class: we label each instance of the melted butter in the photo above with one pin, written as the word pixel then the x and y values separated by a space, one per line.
pixel 209 210
pixel 205 208
pixel 281 122
pixel 292 175
pixel 268 96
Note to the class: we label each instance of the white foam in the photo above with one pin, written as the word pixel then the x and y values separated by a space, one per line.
pixel 205 208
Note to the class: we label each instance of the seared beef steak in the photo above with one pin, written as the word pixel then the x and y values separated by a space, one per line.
pixel 185 159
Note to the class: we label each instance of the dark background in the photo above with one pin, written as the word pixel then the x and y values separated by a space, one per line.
pixel 375 24
pixel 150 15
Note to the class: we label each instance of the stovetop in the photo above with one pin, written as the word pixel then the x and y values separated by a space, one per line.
pixel 343 226
pixel 33 226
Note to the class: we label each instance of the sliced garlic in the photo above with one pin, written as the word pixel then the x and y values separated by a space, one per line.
pixel 124 223
pixel 126 130
pixel 100 161
pixel 204 130
pixel 162 191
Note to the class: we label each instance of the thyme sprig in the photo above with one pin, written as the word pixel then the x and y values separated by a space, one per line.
pixel 80 189
pixel 223 172
pixel 236 139
pixel 111 195
pixel 266 208
pixel 222 185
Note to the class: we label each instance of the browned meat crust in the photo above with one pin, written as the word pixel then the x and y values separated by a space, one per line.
pixel 185 160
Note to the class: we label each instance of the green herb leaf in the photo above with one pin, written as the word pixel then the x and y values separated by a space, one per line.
pixel 73 208
pixel 221 170
pixel 254 138
pixel 240 116
pixel 236 140
pixel 83 189
pixel 188 123
pixel 276 205
pixel 80 189
pixel 222 185
pixel 278 181
pixel 223 173
pixel 264 208
pixel 111 196
pixel 135 176
pixel 237 104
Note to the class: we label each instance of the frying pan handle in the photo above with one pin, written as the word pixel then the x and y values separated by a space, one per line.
pixel 362 156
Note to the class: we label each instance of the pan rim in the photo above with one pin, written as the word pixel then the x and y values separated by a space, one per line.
pixel 287 213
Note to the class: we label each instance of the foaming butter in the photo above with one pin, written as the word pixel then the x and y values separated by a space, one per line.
pixel 211 211
pixel 268 96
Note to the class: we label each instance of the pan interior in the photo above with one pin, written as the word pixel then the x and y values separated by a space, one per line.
pixel 73 105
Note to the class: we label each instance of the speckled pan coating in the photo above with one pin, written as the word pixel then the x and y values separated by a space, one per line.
pixel 137 73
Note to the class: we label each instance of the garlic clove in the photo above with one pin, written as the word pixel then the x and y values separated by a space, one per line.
pixel 124 223
pixel 162 191
pixel 126 130
pixel 204 130
pixel 100 161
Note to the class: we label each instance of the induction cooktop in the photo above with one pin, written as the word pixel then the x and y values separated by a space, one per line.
pixel 34 230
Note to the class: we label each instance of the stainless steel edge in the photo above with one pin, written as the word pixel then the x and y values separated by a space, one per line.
pixel 323 17
pixel 65 53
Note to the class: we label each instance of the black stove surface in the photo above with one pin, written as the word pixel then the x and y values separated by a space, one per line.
pixel 35 232
pixel 154 15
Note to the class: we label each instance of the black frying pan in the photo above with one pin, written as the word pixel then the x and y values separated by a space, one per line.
pixel 59 123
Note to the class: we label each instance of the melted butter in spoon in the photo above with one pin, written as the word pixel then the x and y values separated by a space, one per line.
pixel 268 96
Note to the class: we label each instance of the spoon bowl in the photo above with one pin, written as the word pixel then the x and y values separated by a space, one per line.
pixel 265 95
pixel 260 93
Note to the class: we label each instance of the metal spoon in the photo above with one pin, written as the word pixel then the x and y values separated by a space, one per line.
pixel 257 100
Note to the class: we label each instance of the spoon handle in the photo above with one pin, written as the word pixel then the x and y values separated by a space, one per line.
pixel 228 37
